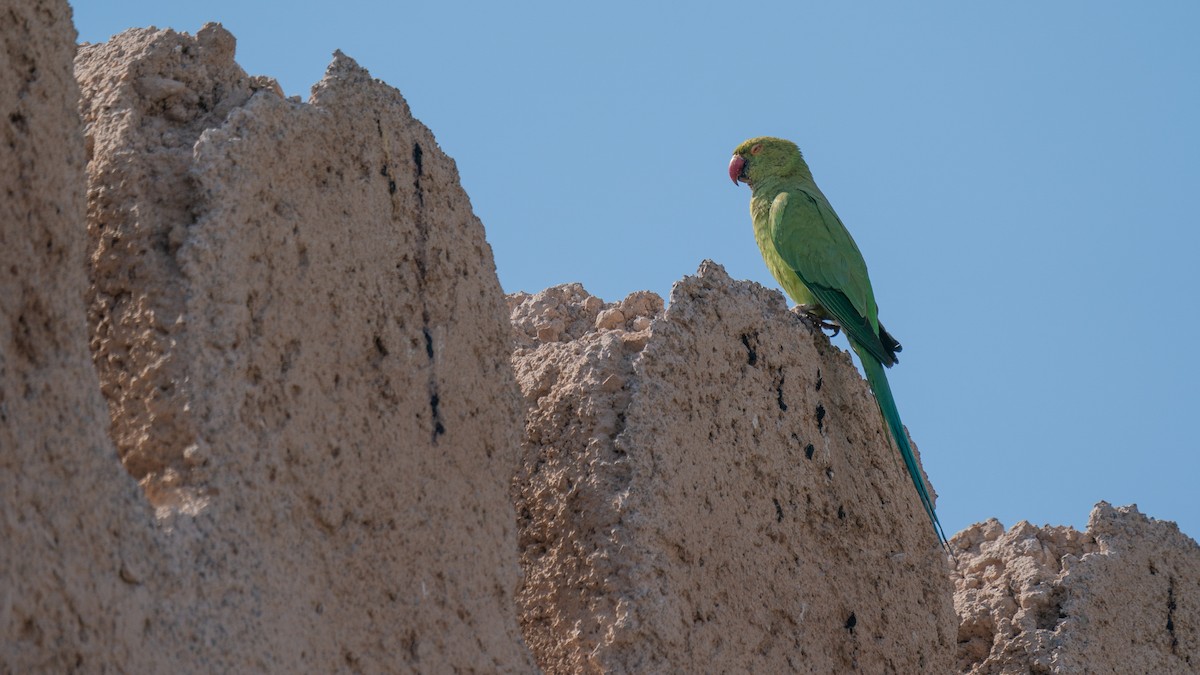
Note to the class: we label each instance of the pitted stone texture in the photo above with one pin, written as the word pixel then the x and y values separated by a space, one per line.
pixel 1122 597
pixel 304 345
pixel 147 97
pixel 711 489
pixel 76 538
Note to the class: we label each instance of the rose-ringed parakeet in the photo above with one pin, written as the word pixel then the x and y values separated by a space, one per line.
pixel 811 254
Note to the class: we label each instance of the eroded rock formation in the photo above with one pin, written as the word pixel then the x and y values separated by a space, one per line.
pixel 298 329
pixel 258 413
pixel 76 538
pixel 711 489
pixel 1122 597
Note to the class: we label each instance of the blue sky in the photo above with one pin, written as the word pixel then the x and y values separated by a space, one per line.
pixel 1021 178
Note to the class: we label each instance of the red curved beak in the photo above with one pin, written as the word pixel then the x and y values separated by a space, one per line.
pixel 735 167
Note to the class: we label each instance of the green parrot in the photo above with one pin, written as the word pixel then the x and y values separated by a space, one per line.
pixel 811 254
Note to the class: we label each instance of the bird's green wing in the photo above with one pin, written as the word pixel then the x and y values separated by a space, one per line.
pixel 812 240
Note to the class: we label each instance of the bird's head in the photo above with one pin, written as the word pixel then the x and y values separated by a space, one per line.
pixel 766 157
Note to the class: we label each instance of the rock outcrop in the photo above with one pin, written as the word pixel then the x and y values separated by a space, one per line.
pixel 711 489
pixel 296 324
pixel 75 535
pixel 258 413
pixel 1122 597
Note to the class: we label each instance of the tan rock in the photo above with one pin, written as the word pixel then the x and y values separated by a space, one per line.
pixel 733 506
pixel 1122 597
pixel 642 304
pixel 565 312
pixel 610 319
pixel 147 97
pixel 76 538
pixel 296 322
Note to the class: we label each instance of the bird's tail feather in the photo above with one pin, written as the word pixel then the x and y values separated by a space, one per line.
pixel 877 379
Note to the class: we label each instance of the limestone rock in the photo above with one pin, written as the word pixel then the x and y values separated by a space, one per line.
pixel 1122 597
pixel 710 488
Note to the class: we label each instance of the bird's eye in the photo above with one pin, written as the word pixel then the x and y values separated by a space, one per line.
pixel 756 149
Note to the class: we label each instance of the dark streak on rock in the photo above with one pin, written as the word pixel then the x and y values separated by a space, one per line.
pixel 422 265
pixel 1171 615
pixel 418 154
pixel 778 511
pixel 779 391
pixel 751 354
pixel 438 427
pixel 383 171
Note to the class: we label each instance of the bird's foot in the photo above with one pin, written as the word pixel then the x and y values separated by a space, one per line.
pixel 830 326
pixel 816 314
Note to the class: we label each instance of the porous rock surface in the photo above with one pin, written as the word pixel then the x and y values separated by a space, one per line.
pixel 288 446
pixel 710 488
pixel 296 325
pixel 1122 597
pixel 75 534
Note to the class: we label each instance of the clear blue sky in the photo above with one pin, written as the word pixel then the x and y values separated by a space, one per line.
pixel 1022 178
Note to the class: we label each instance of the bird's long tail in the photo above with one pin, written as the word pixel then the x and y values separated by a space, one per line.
pixel 877 379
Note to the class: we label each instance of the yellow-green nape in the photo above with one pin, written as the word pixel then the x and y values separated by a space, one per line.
pixel 766 143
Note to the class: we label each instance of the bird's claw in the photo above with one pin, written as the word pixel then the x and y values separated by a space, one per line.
pixel 816 314
pixel 828 325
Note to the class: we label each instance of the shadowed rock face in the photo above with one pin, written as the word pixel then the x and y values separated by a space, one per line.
pixel 147 97
pixel 709 489
pixel 298 329
pixel 1122 597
